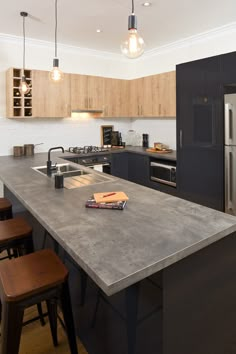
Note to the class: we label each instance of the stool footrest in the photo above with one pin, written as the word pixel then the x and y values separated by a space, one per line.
pixel 36 318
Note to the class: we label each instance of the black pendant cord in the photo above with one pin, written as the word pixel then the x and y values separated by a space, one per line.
pixel 132 6
pixel 55 28
pixel 23 45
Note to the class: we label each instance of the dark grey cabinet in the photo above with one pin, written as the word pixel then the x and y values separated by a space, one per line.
pixel 138 169
pixel 200 114
pixel 228 69
pixel 119 165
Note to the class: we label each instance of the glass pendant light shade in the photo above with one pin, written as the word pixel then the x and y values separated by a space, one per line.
pixel 134 45
pixel 24 87
pixel 56 75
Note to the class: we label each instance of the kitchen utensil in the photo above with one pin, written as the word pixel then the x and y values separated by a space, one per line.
pixel 18 151
pixel 29 149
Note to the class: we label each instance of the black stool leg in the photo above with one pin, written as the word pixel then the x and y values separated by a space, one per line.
pixel 12 317
pixel 68 317
pixel 131 299
pixel 40 312
pixel 9 253
pixel 52 314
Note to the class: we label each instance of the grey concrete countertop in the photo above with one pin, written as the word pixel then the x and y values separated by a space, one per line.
pixel 140 150
pixel 134 149
pixel 116 248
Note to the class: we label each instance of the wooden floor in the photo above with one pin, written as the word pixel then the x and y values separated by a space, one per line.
pixel 37 339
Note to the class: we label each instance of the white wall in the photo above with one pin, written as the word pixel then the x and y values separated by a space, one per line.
pixel 159 130
pixel 214 42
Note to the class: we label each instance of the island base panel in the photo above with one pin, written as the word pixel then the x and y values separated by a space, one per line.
pixel 199 301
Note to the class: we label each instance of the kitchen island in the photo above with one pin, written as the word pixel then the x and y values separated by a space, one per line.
pixel 191 246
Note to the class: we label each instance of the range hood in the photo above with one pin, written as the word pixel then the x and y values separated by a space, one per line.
pixel 86 113
pixel 87 110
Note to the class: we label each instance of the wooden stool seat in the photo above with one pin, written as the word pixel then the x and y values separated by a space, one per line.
pixel 5 204
pixel 5 209
pixel 31 274
pixel 13 229
pixel 26 281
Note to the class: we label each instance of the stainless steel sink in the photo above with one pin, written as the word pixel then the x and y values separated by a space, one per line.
pixel 64 168
pixel 74 177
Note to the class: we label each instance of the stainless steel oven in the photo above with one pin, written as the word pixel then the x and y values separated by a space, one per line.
pixel 163 172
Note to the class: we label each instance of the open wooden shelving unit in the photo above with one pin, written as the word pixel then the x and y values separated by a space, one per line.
pixel 18 104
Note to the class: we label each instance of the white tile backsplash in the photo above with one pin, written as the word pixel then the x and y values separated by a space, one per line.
pixel 159 129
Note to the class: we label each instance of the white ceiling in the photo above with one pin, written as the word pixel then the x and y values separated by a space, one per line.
pixel 165 22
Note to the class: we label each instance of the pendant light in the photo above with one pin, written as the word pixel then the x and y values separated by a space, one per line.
pixel 133 46
pixel 24 88
pixel 56 75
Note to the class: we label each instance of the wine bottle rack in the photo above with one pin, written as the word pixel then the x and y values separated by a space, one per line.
pixel 18 104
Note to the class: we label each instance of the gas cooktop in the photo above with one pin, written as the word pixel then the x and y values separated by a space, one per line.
pixel 86 149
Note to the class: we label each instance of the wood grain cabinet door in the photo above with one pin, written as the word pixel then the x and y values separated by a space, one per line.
pixel 50 99
pixel 136 97
pixel 146 96
pixel 116 102
pixel 95 92
pixel 79 91
pixel 164 94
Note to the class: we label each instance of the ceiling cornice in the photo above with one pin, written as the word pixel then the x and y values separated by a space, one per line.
pixel 189 41
pixel 7 38
pixel 186 42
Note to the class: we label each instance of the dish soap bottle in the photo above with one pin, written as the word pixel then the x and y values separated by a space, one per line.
pixel 59 179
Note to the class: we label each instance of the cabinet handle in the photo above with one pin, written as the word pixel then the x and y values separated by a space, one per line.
pixel 181 138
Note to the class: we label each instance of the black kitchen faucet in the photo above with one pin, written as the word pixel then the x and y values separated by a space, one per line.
pixel 51 167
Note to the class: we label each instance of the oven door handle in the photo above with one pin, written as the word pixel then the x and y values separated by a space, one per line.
pixel 156 164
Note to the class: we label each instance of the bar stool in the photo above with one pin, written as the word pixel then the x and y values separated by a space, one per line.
pixel 5 209
pixel 25 281
pixel 5 213
pixel 16 234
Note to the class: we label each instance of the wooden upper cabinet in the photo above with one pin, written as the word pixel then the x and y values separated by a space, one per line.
pixel 153 96
pixel 86 92
pixel 141 97
pixel 164 94
pixel 135 97
pixel 147 98
pixel 79 91
pixel 95 92
pixel 116 102
pixel 50 99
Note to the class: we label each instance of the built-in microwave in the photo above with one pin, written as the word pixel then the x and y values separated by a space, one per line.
pixel 163 172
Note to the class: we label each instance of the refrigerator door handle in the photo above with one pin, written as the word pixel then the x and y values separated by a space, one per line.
pixel 228 181
pixel 181 138
pixel 228 123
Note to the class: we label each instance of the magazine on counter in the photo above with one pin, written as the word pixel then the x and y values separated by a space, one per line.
pixel 91 203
